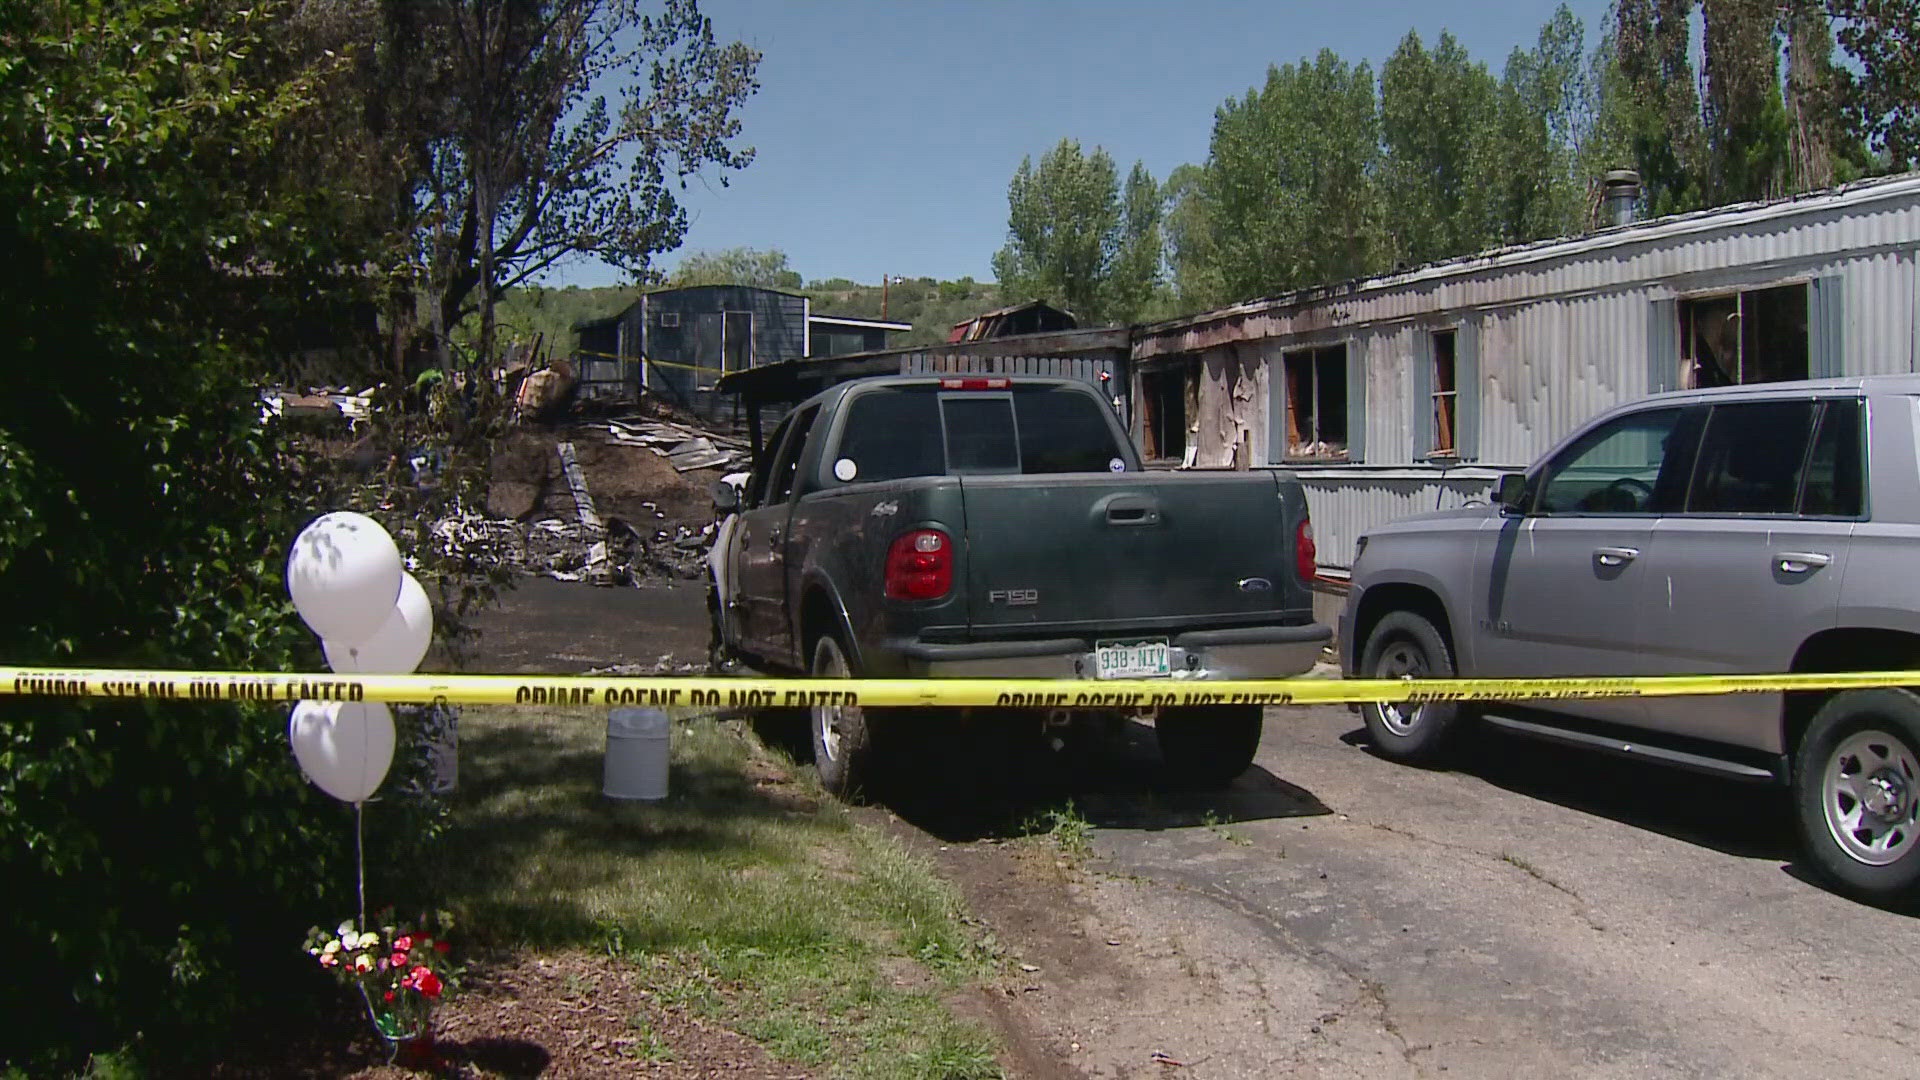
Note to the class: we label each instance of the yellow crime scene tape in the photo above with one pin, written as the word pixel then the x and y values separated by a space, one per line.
pixel 648 360
pixel 728 692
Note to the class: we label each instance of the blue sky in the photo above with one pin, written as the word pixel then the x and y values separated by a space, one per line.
pixel 886 132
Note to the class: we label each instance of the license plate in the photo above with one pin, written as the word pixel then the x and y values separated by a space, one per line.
pixel 1132 660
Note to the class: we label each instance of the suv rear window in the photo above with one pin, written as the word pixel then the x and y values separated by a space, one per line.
pixel 907 431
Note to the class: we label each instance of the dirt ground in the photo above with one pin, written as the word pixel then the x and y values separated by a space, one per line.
pixel 631 483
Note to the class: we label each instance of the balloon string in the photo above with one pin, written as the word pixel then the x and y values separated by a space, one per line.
pixel 360 861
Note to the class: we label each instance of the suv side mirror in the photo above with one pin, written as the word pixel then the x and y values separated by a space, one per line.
pixel 726 498
pixel 1510 492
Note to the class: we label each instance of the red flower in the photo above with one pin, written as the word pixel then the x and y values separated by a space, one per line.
pixel 399 959
pixel 442 947
pixel 389 995
pixel 426 982
pixel 402 944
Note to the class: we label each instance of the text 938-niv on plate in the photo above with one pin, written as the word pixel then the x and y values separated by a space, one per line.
pixel 1132 660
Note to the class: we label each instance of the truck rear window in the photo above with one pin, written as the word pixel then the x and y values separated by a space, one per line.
pixel 907 431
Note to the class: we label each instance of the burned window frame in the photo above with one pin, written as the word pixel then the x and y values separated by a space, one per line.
pixel 1316 358
pixel 1694 315
pixel 1443 395
pixel 1177 382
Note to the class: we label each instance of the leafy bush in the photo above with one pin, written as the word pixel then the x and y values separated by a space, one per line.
pixel 145 511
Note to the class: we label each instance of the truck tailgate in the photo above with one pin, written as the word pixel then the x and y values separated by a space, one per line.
pixel 1092 554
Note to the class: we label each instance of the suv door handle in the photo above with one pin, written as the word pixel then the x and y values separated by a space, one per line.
pixel 773 535
pixel 1615 556
pixel 1799 562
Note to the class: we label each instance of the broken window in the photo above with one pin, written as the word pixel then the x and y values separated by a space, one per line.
pixel 1316 402
pixel 1446 395
pixel 1756 336
pixel 1164 412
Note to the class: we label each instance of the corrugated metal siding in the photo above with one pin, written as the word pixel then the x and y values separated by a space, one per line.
pixel 1344 507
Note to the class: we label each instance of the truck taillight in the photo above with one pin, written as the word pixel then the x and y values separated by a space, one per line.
pixel 974 384
pixel 1305 559
pixel 920 566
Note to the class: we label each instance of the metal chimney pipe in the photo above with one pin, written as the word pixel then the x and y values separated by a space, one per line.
pixel 1620 196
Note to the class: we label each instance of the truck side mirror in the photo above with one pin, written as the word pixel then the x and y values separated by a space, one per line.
pixel 1511 492
pixel 726 498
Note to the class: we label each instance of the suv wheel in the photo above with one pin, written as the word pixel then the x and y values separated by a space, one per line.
pixel 1857 792
pixel 1405 644
pixel 843 751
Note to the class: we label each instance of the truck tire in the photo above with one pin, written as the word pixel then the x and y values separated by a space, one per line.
pixel 843 744
pixel 1856 788
pixel 1404 643
pixel 1206 746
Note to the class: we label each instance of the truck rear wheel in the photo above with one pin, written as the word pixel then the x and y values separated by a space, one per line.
pixel 1856 788
pixel 1207 746
pixel 843 745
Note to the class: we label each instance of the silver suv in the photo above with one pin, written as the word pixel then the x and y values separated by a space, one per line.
pixel 1750 529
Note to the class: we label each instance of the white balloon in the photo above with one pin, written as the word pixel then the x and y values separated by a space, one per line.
pixel 345 747
pixel 344 575
pixel 400 643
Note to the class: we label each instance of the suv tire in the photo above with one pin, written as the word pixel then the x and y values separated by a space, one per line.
pixel 843 745
pixel 1404 643
pixel 1206 746
pixel 1856 789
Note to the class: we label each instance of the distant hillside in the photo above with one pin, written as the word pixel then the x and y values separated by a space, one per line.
pixel 931 306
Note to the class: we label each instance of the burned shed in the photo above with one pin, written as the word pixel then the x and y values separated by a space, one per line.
pixel 677 343
pixel 1096 356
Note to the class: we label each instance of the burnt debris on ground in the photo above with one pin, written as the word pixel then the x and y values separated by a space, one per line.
pixel 611 501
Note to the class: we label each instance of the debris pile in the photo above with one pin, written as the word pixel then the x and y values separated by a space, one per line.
pixel 685 448
pixel 616 554
pixel 611 502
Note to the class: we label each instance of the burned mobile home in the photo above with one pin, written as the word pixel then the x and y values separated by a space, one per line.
pixel 1415 390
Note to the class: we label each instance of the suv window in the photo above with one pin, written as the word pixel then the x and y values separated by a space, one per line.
pixel 1833 484
pixel 899 432
pixel 1752 458
pixel 1614 469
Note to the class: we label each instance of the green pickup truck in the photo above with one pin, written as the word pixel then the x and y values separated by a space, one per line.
pixel 1003 527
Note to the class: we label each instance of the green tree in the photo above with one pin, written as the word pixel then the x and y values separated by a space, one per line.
pixel 1290 190
pixel 156 855
pixel 1191 255
pixel 1136 271
pixel 736 266
pixel 503 139
pixel 1532 167
pixel 1746 119
pixel 1063 229
pixel 1653 105
pixel 1439 115
pixel 1881 99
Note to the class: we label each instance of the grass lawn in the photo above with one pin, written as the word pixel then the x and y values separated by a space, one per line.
pixel 747 899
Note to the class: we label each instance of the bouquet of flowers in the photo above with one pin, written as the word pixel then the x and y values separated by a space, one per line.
pixel 400 968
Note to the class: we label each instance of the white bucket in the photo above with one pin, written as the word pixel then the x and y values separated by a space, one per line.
pixel 637 751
